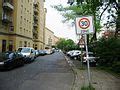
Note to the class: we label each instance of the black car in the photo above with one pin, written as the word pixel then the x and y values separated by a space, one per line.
pixel 9 60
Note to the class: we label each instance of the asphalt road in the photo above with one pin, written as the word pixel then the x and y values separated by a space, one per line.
pixel 49 72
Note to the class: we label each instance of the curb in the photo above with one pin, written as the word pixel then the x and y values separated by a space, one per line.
pixel 74 85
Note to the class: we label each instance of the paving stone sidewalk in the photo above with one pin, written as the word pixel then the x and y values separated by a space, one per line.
pixel 100 80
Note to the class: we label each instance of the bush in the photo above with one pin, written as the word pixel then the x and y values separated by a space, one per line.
pixel 116 67
pixel 109 52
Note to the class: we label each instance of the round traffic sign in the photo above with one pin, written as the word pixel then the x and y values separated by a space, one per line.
pixel 84 23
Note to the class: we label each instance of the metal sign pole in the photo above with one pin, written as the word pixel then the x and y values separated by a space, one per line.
pixel 85 25
pixel 88 65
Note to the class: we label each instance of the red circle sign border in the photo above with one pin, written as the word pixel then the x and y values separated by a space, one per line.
pixel 85 19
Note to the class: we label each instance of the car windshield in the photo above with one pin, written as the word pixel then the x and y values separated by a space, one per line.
pixel 24 50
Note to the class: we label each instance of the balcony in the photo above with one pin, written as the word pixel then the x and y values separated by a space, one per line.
pixel 35 25
pixel 35 32
pixel 35 17
pixel 35 36
pixel 35 4
pixel 6 19
pixel 8 6
pixel 36 11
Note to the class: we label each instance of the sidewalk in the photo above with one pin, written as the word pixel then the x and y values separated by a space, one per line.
pixel 100 80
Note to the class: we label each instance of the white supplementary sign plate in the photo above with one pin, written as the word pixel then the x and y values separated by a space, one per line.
pixel 84 25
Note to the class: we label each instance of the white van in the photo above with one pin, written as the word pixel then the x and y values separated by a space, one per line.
pixel 28 53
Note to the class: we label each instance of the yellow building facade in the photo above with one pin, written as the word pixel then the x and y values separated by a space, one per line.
pixel 17 24
pixel 39 24
pixel 55 40
pixel 7 33
pixel 23 23
pixel 50 38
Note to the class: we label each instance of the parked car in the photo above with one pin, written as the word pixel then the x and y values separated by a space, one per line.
pixel 48 51
pixel 42 52
pixel 69 53
pixel 36 53
pixel 92 59
pixel 9 60
pixel 28 53
pixel 74 54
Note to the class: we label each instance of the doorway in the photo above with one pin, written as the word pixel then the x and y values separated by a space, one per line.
pixel 3 45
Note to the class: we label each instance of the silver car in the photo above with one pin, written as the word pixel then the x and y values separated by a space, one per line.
pixel 28 53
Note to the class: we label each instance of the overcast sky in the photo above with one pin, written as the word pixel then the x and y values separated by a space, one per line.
pixel 54 20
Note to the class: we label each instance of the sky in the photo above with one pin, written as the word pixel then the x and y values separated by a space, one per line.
pixel 54 21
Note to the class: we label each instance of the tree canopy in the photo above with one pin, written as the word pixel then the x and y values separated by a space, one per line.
pixel 66 45
pixel 96 8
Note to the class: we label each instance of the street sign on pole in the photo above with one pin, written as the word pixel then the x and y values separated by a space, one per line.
pixel 84 25
pixel 81 42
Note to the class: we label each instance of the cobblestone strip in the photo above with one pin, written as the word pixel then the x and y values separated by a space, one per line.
pixel 101 80
pixel 75 84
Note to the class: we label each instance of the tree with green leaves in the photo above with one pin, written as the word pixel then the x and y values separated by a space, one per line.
pixel 96 8
pixel 66 45
pixel 112 7
pixel 81 9
pixel 109 52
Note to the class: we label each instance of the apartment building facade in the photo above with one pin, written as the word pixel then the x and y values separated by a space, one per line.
pixel 23 23
pixel 50 38
pixel 7 32
pixel 17 24
pixel 56 39
pixel 39 24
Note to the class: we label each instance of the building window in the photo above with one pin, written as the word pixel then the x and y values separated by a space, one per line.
pixel 21 17
pixel 29 44
pixel 35 46
pixel 24 30
pixel 21 30
pixel 27 31
pixel 4 43
pixel 10 47
pixel 22 6
pixel 25 43
pixel 11 28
